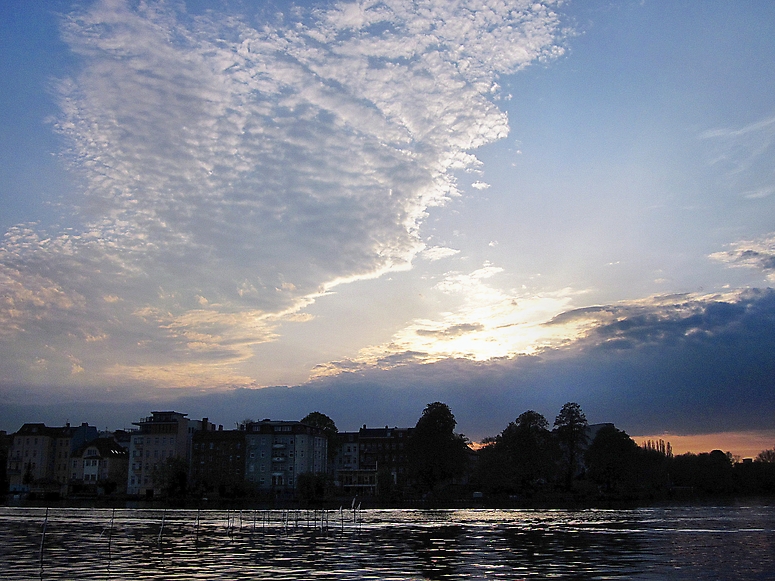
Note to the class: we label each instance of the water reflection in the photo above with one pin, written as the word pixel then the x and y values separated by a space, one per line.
pixel 676 543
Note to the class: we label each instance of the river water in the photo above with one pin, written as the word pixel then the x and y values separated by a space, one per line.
pixel 736 542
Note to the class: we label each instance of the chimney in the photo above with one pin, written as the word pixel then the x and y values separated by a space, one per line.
pixel 220 427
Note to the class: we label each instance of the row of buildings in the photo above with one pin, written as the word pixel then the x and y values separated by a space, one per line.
pixel 263 456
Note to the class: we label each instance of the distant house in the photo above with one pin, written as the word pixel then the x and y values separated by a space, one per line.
pixel 100 466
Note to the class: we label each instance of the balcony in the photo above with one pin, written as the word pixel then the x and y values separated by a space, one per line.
pixel 278 446
pixel 279 459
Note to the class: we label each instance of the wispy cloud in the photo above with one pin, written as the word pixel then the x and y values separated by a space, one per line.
pixel 745 155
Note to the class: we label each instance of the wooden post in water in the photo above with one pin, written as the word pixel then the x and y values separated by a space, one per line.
pixel 161 529
pixel 42 542
pixel 110 537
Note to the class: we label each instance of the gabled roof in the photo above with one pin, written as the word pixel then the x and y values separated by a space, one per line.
pixel 106 448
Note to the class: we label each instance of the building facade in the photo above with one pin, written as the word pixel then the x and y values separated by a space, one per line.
pixel 218 462
pixel 161 437
pixel 368 455
pixel 100 466
pixel 277 452
pixel 39 456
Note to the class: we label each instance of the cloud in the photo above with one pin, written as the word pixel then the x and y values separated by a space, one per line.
pixel 745 155
pixel 757 254
pixel 234 172
pixel 438 252
pixel 681 364
pixel 678 363
pixel 482 322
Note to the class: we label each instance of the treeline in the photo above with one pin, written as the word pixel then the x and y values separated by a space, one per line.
pixel 528 460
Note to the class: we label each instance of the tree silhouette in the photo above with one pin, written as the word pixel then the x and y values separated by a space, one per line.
pixel 322 421
pixel 529 449
pixel 766 456
pixel 435 452
pixel 172 477
pixel 571 429
pixel 612 458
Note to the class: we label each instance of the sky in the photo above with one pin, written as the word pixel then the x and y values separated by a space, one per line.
pixel 247 210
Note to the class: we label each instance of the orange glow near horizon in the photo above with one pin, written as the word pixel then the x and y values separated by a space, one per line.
pixel 740 444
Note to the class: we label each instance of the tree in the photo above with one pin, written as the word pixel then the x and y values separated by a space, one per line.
pixel 27 478
pixel 571 428
pixel 322 421
pixel 172 478
pixel 612 458
pixel 528 449
pixel 766 456
pixel 243 425
pixel 311 488
pixel 435 452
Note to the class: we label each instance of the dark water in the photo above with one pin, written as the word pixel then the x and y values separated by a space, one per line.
pixel 655 543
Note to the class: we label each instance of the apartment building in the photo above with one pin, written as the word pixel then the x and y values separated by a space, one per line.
pixel 277 452
pixel 39 456
pixel 218 461
pixel 160 437
pixel 369 454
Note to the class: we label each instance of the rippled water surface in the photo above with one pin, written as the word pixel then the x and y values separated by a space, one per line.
pixel 656 543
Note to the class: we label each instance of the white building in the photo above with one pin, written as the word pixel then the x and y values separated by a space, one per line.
pixel 162 436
